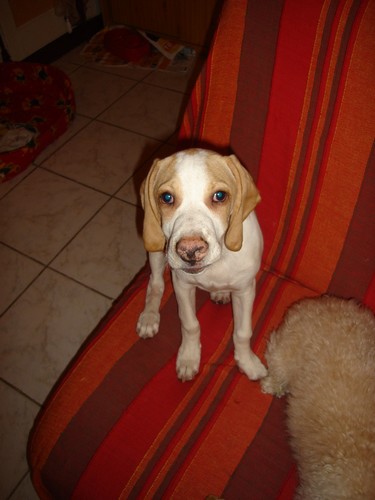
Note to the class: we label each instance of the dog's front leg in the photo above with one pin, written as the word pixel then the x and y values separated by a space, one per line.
pixel 189 353
pixel 246 360
pixel 149 319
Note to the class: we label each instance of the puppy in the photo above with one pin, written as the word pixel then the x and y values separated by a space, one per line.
pixel 199 217
pixel 323 354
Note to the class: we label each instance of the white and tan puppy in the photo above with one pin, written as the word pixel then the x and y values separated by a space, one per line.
pixel 199 217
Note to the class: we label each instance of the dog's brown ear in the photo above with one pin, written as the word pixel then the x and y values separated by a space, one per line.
pixel 246 199
pixel 153 236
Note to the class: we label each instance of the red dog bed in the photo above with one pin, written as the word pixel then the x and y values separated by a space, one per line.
pixel 36 106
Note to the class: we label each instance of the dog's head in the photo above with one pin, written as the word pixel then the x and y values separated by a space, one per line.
pixel 195 201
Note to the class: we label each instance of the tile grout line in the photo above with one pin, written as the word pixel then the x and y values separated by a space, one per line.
pixel 61 273
pixel 20 392
pixel 9 497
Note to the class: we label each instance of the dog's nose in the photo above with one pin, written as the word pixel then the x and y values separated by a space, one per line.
pixel 192 249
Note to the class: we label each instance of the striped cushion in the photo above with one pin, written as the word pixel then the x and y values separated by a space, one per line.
pixel 120 424
pixel 286 87
pixel 289 86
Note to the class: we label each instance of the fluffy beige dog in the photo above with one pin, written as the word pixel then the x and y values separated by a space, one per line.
pixel 323 355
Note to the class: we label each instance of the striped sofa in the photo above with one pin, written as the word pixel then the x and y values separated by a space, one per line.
pixel 288 86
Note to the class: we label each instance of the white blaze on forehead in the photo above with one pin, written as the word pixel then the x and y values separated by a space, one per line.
pixel 193 176
pixel 192 216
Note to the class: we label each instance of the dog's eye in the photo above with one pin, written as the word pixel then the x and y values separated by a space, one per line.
pixel 219 196
pixel 167 198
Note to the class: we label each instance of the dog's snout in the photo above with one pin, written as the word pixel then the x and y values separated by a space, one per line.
pixel 192 249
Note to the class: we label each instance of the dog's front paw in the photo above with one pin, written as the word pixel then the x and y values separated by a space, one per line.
pixel 188 361
pixel 148 324
pixel 220 297
pixel 251 366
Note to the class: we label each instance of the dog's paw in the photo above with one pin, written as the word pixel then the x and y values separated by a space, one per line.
pixel 252 367
pixel 220 297
pixel 148 324
pixel 188 361
pixel 270 386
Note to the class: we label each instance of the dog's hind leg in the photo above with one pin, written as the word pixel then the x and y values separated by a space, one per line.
pixel 246 360
pixel 149 319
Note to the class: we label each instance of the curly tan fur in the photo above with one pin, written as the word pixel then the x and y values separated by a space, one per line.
pixel 323 355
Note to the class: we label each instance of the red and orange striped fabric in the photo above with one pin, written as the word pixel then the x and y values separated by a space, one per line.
pixel 288 88
pixel 303 122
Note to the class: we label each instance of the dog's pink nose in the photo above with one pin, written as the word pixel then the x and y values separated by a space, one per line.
pixel 192 249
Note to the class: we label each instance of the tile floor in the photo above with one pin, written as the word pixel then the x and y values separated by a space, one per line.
pixel 69 237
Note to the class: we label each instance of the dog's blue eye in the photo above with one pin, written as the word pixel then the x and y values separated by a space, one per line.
pixel 167 198
pixel 219 196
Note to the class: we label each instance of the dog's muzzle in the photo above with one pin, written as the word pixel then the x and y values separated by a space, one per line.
pixel 193 244
pixel 192 250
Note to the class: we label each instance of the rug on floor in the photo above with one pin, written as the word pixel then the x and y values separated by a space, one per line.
pixel 129 51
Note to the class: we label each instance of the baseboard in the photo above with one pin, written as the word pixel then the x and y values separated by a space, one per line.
pixel 67 42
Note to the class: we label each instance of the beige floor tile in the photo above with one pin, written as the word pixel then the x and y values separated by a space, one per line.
pixel 43 330
pixel 148 110
pixel 17 272
pixel 78 123
pixel 45 212
pixel 108 252
pixel 102 156
pixel 95 90
pixel 17 415
pixel 25 490
pixel 6 187
pixel 180 82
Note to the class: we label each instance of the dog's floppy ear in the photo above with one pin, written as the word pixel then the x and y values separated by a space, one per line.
pixel 153 237
pixel 246 199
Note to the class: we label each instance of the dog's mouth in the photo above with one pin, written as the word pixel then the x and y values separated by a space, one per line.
pixel 194 270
